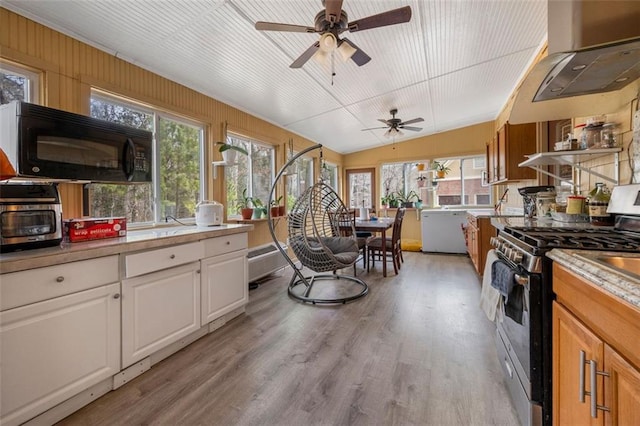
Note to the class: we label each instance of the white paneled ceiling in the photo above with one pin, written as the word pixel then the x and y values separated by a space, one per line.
pixel 454 64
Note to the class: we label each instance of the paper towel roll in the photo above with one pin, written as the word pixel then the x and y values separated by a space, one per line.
pixel 364 213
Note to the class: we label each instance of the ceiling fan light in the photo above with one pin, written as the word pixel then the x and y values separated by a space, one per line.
pixel 346 51
pixel 328 42
pixel 322 57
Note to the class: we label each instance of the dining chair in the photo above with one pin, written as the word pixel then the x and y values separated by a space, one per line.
pixel 392 244
pixel 360 239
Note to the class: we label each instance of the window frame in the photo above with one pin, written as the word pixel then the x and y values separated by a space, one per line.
pixel 32 90
pixel 462 193
pixel 251 142
pixel 157 114
pixel 347 197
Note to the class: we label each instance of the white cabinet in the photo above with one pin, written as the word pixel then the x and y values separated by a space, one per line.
pixel 224 284
pixel 158 309
pixel 54 349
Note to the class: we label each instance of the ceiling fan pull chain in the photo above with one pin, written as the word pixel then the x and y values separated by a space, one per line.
pixel 333 65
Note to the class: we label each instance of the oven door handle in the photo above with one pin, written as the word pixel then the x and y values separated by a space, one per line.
pixel 521 279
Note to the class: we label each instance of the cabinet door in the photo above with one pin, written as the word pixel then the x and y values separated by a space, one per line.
pixel 159 309
pixel 492 161
pixel 54 349
pixel 473 245
pixel 570 337
pixel 224 284
pixel 622 390
pixel 501 152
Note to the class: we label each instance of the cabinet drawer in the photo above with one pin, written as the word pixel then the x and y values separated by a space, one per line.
pixel 226 244
pixel 34 285
pixel 156 260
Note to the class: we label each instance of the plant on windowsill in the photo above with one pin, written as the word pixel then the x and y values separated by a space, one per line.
pixel 229 151
pixel 259 209
pixel 407 200
pixel 422 181
pixel 244 204
pixel 274 209
pixel 390 200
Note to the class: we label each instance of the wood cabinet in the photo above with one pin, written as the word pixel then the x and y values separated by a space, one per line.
pixel 158 309
pixel 58 341
pixel 478 235
pixel 507 150
pixel 596 374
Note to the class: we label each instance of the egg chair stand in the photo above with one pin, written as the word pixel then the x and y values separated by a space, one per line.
pixel 321 234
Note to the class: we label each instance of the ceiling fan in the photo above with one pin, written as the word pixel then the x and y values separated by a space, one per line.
pixel 330 23
pixel 395 125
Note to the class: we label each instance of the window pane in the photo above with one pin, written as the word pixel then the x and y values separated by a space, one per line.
pixel 462 184
pixel 401 181
pixel 17 84
pixel 299 179
pixel 179 172
pixel 474 193
pixel 135 202
pixel 360 185
pixel 262 169
pixel 251 176
pixel 330 175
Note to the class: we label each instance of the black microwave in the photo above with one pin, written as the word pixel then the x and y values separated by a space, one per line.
pixel 42 142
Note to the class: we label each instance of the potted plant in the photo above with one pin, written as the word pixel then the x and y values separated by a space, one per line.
pixel 244 204
pixel 407 199
pixel 420 166
pixel 422 181
pixel 394 203
pixel 229 151
pixel 275 207
pixel 259 210
pixel 441 169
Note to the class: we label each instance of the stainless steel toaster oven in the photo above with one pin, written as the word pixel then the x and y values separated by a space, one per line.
pixel 30 216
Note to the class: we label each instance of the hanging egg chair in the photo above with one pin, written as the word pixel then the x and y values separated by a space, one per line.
pixel 321 234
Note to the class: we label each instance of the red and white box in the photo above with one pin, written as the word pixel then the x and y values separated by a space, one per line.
pixel 92 228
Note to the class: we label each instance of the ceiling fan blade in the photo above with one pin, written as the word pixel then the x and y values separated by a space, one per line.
pixel 413 129
pixel 374 128
pixel 332 11
pixel 382 120
pixel 360 58
pixel 302 59
pixel 415 120
pixel 274 26
pixel 392 17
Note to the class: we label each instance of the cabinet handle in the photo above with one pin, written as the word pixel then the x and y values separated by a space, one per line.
pixel 116 296
pixel 60 279
pixel 197 271
pixel 581 364
pixel 173 256
pixel 593 364
pixel 228 242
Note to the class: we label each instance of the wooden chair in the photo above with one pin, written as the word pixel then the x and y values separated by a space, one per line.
pixel 393 249
pixel 346 230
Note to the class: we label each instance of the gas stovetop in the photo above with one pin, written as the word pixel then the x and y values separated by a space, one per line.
pixel 541 239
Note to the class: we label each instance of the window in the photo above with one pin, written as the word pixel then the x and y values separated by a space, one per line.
pixel 330 175
pixel 177 171
pixel 253 173
pixel 361 190
pixel 462 185
pixel 401 180
pixel 299 179
pixel 17 83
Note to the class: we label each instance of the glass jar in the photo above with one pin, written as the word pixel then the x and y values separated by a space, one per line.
pixel 593 136
pixel 609 136
pixel 544 204
pixel 598 203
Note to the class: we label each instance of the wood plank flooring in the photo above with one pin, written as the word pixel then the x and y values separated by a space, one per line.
pixel 416 350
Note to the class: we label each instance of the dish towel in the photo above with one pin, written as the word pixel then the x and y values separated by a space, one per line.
pixel 503 279
pixel 490 297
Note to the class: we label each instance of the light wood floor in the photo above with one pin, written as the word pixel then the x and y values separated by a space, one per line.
pixel 416 350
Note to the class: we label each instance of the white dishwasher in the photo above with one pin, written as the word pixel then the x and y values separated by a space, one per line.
pixel 442 230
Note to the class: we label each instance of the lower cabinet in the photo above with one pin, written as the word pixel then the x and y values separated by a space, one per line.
pixel 478 234
pixel 224 284
pixel 158 309
pixel 593 382
pixel 53 349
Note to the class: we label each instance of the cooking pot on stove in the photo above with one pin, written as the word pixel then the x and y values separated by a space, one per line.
pixel 209 213
pixel 529 198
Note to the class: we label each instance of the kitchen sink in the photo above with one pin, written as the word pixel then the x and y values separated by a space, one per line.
pixel 627 264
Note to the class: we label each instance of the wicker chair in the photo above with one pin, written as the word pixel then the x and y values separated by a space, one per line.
pixel 318 237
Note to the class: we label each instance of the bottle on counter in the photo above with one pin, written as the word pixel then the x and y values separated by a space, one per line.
pixel 598 203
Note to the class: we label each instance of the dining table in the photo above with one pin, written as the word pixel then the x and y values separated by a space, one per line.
pixel 381 225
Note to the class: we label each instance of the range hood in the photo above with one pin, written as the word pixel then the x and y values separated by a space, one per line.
pixel 593 62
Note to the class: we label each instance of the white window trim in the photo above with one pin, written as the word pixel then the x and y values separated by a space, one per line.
pixel 32 91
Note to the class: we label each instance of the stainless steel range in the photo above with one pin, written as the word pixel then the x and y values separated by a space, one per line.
pixel 524 339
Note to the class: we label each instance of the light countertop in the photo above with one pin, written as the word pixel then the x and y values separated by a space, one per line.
pixel 522 222
pixel 135 240
pixel 586 264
